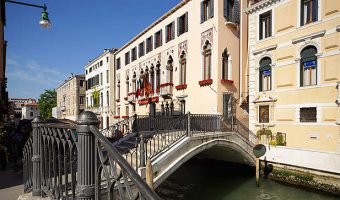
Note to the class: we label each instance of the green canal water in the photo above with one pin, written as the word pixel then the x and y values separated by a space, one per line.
pixel 202 179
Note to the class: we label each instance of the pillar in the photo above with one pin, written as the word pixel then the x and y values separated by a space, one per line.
pixel 36 157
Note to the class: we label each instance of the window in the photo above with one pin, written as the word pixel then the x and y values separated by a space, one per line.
pixel 207 61
pixel 101 99
pixel 118 63
pixel 158 39
pixel 265 74
pixel 107 58
pixel 118 89
pixel 127 111
pixel 152 78
pixel 170 32
pixel 127 58
pixel 308 114
pixel 265 25
pixel 182 24
pixel 134 54
pixel 107 98
pixel 225 65
pixel 309 11
pixel 81 99
pixel 207 10
pixel 118 111
pixel 169 67
pixel 264 114
pixel 107 76
pixel 231 10
pixel 141 49
pixel 134 82
pixel 149 44
pixel 183 66
pixel 31 114
pixel 308 66
pixel 127 85
pixel 86 71
pixel 101 63
pixel 158 77
pixel 101 78
pixel 81 83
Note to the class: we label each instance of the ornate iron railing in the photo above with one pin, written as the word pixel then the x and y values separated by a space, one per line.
pixel 121 128
pixel 27 165
pixel 209 123
pixel 244 131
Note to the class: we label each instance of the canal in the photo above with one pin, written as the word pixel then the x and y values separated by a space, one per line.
pixel 203 179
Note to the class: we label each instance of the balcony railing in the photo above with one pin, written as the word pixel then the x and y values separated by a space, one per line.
pixel 166 89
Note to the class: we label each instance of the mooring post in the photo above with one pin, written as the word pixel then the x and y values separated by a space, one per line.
pixel 142 151
pixel 257 168
pixel 189 133
pixel 36 157
pixel 149 173
pixel 86 156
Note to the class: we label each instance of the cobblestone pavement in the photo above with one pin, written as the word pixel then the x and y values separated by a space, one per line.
pixel 11 184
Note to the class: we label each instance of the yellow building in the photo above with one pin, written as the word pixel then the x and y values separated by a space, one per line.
pixel 190 57
pixel 294 69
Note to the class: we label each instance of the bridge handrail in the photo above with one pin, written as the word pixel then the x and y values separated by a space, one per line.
pixel 244 131
pixel 120 129
pixel 127 172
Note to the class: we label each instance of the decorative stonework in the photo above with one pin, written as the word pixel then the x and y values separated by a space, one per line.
pixel 183 46
pixel 260 5
pixel 264 98
pixel 207 36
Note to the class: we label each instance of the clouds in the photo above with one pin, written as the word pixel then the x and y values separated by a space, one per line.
pixel 28 78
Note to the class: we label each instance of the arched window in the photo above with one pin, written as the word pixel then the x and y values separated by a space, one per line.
pixel 134 82
pixel 147 74
pixel 183 66
pixel 225 65
pixel 169 67
pixel 207 61
pixel 265 73
pixel 308 66
pixel 127 85
pixel 158 77
pixel 152 78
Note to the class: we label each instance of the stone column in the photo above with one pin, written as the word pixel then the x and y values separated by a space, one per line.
pixel 36 157
pixel 86 163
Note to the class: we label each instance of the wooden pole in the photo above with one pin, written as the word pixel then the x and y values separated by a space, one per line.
pixel 257 168
pixel 149 173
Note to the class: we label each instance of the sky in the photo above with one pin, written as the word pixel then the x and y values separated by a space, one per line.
pixel 39 59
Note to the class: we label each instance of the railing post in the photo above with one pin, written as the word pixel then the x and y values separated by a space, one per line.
pixel 36 157
pixel 142 151
pixel 232 122
pixel 86 156
pixel 189 133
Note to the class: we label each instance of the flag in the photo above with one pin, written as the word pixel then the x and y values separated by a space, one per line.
pixel 146 86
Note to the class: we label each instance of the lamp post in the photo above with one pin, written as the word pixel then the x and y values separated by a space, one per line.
pixel 44 21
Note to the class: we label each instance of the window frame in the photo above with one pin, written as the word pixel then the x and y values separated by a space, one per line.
pixel 266 14
pixel 303 60
pixel 260 76
pixel 170 28
pixel 259 116
pixel 207 53
pixel 302 12
pixel 306 119
pixel 141 49
pixel 182 68
pixel 149 46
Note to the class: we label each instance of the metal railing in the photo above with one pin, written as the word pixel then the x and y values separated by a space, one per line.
pixel 27 165
pixel 120 129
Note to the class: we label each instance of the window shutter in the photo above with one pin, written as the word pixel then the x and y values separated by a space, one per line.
pixel 151 44
pixel 261 28
pixel 225 9
pixel 155 40
pixel 202 12
pixel 173 30
pixel 302 13
pixel 301 73
pixel 186 22
pixel 211 9
pixel 161 38
pixel 270 24
pixel 178 26
pixel 166 34
pixel 236 11
pixel 315 10
pixel 260 80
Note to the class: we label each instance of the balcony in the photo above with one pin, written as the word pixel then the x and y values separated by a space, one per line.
pixel 166 89
pixel 205 82
pixel 227 82
pixel 131 97
pixel 181 87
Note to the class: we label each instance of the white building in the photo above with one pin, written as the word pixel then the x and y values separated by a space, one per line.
pixel 30 110
pixel 97 76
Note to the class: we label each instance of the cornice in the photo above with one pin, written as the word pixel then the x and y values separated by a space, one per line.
pixel 309 37
pixel 260 5
pixel 265 49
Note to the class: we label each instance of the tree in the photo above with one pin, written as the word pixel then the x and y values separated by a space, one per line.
pixel 46 102
pixel 95 95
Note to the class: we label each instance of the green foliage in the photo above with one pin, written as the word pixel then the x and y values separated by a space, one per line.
pixel 264 131
pixel 280 140
pixel 46 102
pixel 297 175
pixel 95 95
pixel 273 142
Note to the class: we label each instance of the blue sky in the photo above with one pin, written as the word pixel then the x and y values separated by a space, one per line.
pixel 39 59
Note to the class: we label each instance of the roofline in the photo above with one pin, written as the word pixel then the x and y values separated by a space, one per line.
pixel 159 20
pixel 66 81
pixel 106 51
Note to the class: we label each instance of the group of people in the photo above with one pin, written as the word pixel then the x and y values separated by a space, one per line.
pixel 12 141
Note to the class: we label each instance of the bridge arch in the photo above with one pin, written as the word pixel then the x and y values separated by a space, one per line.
pixel 184 154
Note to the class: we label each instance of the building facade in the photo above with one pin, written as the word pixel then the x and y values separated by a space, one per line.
pixel 97 76
pixel 16 106
pixel 71 97
pixel 3 79
pixel 294 71
pixel 29 111
pixel 188 60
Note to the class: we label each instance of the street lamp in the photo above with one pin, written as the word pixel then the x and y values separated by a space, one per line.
pixel 44 21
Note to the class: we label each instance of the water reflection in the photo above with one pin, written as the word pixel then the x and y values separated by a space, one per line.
pixel 202 179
